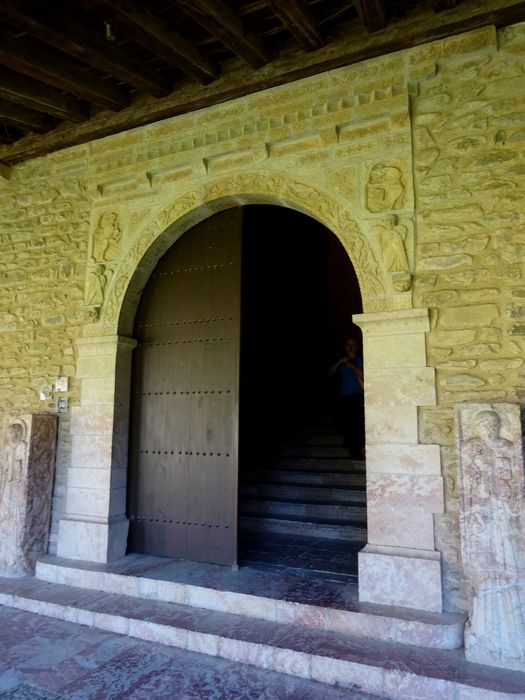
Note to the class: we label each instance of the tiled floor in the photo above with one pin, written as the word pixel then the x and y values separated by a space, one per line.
pixel 315 557
pixel 46 659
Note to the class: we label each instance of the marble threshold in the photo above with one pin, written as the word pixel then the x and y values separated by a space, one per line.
pixel 290 598
pixel 388 669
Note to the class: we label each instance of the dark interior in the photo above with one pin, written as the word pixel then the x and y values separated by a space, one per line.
pixel 299 294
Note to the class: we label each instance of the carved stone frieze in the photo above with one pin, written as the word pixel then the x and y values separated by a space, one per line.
pixel 249 188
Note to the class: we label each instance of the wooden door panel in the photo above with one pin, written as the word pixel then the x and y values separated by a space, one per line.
pixel 182 492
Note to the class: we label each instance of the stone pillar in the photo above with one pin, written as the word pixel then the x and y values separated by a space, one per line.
pixel 26 485
pixel 94 526
pixel 399 565
pixel 492 524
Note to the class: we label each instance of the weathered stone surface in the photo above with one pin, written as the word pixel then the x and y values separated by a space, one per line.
pixel 492 523
pixel 26 483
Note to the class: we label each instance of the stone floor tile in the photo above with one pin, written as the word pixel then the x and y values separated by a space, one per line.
pixel 56 660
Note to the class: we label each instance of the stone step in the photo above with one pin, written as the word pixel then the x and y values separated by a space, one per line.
pixel 304 494
pixel 264 595
pixel 320 464
pixel 389 669
pixel 304 478
pixel 320 439
pixel 320 451
pixel 297 526
pixel 332 513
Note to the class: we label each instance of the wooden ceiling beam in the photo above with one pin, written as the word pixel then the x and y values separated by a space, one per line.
pixel 71 39
pixel 299 20
pixel 24 119
pixel 34 95
pixel 217 18
pixel 136 23
pixel 58 70
pixel 415 29
pixel 372 13
pixel 442 5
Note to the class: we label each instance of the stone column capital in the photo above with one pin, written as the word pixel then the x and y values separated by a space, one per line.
pixel 393 322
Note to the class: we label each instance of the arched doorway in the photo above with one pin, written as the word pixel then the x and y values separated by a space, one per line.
pixel 299 292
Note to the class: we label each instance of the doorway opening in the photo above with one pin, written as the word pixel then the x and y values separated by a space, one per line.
pixel 302 500
pixel 235 451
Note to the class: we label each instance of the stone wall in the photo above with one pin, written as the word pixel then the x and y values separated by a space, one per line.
pixel 469 158
pixel 435 132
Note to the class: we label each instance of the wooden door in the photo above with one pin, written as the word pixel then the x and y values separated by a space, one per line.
pixel 182 483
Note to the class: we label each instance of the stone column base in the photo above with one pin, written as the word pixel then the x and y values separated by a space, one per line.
pixel 99 542
pixel 399 576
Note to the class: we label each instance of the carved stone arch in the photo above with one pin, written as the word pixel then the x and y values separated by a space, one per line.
pixel 167 224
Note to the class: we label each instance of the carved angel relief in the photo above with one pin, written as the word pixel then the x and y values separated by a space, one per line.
pixel 396 241
pixel 106 247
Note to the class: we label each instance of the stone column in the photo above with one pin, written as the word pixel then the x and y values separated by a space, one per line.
pixel 492 524
pixel 94 526
pixel 399 565
pixel 26 485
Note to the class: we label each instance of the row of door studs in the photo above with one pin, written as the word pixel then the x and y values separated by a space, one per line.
pixel 173 452
pixel 141 518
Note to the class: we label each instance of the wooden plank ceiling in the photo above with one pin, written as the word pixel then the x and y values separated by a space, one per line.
pixel 75 70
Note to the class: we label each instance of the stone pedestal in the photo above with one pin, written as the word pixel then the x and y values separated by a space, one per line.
pixel 26 485
pixel 492 524
pixel 94 526
pixel 399 565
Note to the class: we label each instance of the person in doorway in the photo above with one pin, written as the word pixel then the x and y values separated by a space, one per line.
pixel 351 408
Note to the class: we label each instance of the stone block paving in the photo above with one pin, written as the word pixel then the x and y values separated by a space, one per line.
pixel 43 658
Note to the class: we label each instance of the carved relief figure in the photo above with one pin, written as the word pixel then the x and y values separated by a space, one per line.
pixel 385 188
pixel 493 540
pixel 96 282
pixel 40 486
pixel 393 238
pixel 107 237
pixel 12 496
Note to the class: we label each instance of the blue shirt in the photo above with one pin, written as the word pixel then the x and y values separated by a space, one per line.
pixel 348 380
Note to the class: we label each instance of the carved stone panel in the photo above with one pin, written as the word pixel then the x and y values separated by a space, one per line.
pixel 492 522
pixel 26 482
pixel 107 237
pixel 385 188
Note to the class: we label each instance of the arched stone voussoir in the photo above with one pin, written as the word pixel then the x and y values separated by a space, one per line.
pixel 166 224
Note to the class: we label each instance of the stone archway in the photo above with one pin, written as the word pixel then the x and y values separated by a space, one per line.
pixel 392 566
pixel 152 240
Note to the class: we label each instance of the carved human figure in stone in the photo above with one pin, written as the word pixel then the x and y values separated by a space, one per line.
pixel 393 239
pixel 12 496
pixel 493 546
pixel 491 507
pixel 95 285
pixel 107 237
pixel 385 188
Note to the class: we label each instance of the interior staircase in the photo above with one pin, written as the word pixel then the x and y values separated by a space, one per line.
pixel 306 490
